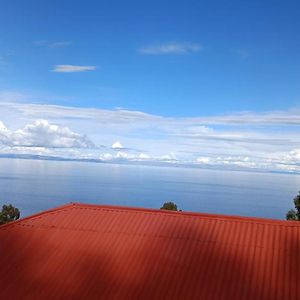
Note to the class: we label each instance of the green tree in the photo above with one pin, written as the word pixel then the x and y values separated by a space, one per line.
pixel 291 215
pixel 8 214
pixel 169 206
pixel 294 214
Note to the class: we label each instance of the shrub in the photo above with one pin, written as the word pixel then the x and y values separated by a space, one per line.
pixel 8 214
pixel 169 206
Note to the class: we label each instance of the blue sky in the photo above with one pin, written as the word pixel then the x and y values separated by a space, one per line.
pixel 191 62
pixel 248 56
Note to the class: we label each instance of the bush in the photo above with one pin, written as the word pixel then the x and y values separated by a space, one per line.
pixel 8 214
pixel 291 215
pixel 294 214
pixel 169 206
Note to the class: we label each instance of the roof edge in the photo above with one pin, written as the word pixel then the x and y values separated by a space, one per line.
pixel 38 214
pixel 161 211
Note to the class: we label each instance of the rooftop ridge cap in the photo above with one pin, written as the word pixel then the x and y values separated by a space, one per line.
pixel 159 211
pixel 44 212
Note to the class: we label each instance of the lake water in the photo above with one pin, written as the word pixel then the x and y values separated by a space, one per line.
pixel 34 185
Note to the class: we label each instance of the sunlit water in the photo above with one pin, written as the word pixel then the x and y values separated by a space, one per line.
pixel 35 185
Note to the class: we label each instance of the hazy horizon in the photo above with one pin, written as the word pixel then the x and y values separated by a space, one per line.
pixel 34 186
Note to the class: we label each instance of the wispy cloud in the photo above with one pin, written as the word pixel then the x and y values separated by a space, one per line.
pixel 271 118
pixel 49 44
pixel 171 48
pixel 72 68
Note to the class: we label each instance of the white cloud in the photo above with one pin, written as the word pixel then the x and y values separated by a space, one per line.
pixel 144 156
pixel 106 156
pixel 292 157
pixel 117 145
pixel 235 162
pixel 4 134
pixel 3 127
pixel 171 48
pixel 295 155
pixel 72 68
pixel 287 117
pixel 203 160
pixel 167 157
pixel 128 156
pixel 49 44
pixel 43 134
pixel 266 141
pixel 124 155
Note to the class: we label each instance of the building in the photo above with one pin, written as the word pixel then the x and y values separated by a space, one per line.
pixel 81 251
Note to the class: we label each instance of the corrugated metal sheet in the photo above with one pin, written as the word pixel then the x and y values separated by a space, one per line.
pixel 100 252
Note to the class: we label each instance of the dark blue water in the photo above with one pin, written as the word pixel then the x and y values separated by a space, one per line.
pixel 35 185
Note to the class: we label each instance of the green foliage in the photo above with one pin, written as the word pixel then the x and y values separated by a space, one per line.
pixel 294 214
pixel 169 206
pixel 8 214
pixel 291 215
pixel 297 205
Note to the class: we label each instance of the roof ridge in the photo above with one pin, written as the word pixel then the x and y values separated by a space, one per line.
pixel 44 212
pixel 221 217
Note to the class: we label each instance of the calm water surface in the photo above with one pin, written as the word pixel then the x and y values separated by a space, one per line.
pixel 35 185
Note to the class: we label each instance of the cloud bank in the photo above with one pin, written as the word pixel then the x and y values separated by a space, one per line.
pixel 245 140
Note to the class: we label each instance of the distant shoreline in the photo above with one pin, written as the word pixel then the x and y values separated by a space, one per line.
pixel 143 163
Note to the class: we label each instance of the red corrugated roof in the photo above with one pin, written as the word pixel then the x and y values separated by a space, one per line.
pixel 83 251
